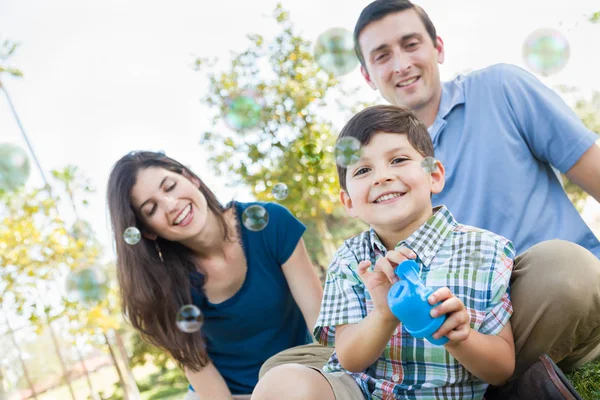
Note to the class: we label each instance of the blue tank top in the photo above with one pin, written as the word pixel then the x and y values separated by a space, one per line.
pixel 262 318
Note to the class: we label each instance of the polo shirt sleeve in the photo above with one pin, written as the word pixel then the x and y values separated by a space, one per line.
pixel 282 233
pixel 499 308
pixel 552 131
pixel 343 297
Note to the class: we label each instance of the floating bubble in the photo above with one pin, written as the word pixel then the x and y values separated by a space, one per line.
pixel 255 218
pixel 546 51
pixel 280 191
pixel 189 319
pixel 429 164
pixel 88 285
pixel 476 259
pixel 132 235
pixel 311 155
pixel 334 51
pixel 243 111
pixel 14 166
pixel 347 151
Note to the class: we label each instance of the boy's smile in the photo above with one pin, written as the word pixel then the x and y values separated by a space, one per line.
pixel 388 188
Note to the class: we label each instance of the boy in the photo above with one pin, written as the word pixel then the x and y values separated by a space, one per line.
pixel 389 189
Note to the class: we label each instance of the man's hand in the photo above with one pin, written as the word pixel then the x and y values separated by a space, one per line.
pixel 457 326
pixel 380 280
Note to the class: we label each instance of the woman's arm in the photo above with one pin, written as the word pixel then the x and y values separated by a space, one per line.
pixel 304 283
pixel 208 383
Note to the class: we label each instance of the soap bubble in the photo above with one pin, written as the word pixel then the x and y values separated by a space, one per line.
pixel 189 319
pixel 546 51
pixel 14 166
pixel 334 51
pixel 88 285
pixel 243 111
pixel 280 191
pixel 132 235
pixel 311 155
pixel 476 259
pixel 429 164
pixel 347 151
pixel 255 218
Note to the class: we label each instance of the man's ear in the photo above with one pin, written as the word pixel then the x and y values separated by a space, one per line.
pixel 347 203
pixel 439 46
pixel 438 178
pixel 367 77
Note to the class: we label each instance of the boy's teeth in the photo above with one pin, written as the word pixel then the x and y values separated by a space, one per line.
pixel 387 197
pixel 183 215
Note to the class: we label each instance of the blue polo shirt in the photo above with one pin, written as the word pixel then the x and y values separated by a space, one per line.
pixel 262 318
pixel 498 131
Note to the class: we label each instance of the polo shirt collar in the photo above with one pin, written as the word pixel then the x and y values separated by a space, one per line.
pixel 452 95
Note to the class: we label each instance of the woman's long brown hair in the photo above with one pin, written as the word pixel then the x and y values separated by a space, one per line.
pixel 153 291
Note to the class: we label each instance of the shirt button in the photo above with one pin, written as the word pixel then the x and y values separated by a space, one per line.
pixel 395 377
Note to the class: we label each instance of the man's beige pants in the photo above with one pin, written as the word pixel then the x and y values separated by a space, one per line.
pixel 555 292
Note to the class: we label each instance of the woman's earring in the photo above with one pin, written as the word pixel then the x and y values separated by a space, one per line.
pixel 159 252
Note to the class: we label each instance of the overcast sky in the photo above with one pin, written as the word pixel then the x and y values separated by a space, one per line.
pixel 103 78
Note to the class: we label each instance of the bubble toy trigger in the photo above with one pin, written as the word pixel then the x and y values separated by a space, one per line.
pixel 407 300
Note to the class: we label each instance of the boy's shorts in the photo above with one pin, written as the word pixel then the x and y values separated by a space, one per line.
pixel 315 356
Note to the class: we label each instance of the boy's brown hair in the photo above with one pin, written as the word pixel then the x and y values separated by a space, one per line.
pixel 386 119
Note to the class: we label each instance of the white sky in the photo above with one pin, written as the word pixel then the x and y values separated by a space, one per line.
pixel 103 78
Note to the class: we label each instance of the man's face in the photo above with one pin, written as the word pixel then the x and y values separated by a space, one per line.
pixel 401 60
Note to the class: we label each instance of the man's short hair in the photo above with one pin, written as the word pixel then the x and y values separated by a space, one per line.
pixel 386 119
pixel 379 9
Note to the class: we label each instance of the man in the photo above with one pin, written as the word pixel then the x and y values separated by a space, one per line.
pixel 499 131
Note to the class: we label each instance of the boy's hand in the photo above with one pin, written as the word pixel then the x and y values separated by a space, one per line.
pixel 380 280
pixel 457 326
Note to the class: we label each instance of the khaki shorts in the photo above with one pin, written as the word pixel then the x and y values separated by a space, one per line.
pixel 315 357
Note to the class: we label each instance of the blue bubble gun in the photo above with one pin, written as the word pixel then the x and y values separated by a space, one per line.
pixel 407 300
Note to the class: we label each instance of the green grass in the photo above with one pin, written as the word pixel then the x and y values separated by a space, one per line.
pixel 587 380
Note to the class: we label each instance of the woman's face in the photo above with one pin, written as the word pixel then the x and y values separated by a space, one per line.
pixel 169 204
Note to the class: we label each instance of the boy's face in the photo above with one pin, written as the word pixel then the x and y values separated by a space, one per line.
pixel 388 188
pixel 401 60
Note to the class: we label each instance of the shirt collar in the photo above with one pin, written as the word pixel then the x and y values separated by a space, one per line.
pixel 427 239
pixel 453 94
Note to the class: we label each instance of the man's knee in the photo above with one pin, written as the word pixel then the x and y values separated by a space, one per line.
pixel 567 272
pixel 291 382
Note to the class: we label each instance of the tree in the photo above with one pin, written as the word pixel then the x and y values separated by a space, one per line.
pixel 287 135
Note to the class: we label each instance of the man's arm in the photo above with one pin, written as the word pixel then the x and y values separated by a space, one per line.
pixel 586 172
pixel 304 283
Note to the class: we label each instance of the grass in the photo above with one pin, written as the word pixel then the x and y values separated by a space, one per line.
pixel 587 380
pixel 171 385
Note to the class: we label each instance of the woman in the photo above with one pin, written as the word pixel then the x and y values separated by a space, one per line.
pixel 257 290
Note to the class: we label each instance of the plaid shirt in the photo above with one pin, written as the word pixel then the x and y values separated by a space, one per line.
pixel 473 263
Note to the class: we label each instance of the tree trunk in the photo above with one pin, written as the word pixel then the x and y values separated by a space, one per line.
pixel 25 372
pixel 326 238
pixel 134 390
pixel 60 358
pixel 116 363
pixel 3 394
pixel 93 393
